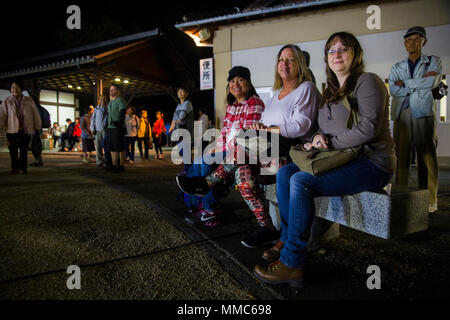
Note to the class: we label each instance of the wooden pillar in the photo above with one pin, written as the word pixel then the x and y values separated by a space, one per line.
pixel 99 84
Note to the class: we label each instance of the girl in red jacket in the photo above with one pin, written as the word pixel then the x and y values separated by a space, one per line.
pixel 158 131
pixel 77 134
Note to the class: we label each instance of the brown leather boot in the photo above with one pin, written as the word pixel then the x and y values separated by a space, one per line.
pixel 277 273
pixel 273 254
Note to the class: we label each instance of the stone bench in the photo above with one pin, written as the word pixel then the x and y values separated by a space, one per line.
pixel 402 212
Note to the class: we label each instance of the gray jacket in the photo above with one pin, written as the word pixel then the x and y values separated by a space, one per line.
pixel 184 112
pixel 372 129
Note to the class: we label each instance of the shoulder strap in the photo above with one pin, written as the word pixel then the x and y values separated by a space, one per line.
pixel 351 105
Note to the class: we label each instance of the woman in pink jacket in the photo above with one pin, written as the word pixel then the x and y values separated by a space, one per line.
pixel 20 118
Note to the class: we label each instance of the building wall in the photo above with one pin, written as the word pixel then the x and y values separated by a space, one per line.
pixel 254 44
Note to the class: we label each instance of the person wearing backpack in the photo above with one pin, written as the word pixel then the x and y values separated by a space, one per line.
pixel 132 123
pixel 36 142
pixel 411 84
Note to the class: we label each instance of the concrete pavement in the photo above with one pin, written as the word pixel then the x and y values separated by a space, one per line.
pixel 127 234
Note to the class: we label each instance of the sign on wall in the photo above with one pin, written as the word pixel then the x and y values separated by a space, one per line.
pixel 206 74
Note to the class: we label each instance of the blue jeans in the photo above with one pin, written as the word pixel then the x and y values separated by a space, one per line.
pixel 130 143
pixel 296 191
pixel 202 170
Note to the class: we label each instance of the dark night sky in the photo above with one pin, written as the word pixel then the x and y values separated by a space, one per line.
pixel 33 28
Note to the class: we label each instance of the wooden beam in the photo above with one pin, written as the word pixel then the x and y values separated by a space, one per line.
pixel 129 100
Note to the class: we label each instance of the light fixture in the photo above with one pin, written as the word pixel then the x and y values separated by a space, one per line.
pixel 117 79
pixel 93 83
pixel 126 81
pixel 198 40
pixel 79 88
pixel 204 34
pixel 69 86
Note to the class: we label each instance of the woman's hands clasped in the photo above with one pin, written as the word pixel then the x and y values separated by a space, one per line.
pixel 319 141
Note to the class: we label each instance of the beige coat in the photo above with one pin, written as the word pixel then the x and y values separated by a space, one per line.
pixel 9 120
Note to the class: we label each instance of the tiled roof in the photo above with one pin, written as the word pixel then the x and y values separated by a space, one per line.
pixel 258 8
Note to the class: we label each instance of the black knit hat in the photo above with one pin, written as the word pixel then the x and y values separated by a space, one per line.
pixel 239 71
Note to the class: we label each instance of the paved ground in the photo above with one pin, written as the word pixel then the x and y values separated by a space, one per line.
pixel 127 234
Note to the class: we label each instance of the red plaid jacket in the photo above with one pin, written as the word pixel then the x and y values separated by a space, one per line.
pixel 240 116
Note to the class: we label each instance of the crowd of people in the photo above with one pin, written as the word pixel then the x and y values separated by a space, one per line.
pixel 111 129
pixel 298 113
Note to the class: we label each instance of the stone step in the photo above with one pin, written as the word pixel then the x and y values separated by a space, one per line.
pixel 402 212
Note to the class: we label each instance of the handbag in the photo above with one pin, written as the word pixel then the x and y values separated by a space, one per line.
pixel 319 160
pixel 440 90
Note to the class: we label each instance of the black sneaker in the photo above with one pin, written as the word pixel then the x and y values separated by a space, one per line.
pixel 262 236
pixel 193 215
pixel 193 185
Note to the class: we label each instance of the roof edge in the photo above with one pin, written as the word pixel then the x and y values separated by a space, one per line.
pixel 96 45
pixel 256 12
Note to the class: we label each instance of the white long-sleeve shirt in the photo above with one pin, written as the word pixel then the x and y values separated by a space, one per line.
pixel 296 113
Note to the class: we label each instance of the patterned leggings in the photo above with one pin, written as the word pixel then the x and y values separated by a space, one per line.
pixel 245 176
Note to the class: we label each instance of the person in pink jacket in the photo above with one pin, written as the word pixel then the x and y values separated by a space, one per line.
pixel 20 118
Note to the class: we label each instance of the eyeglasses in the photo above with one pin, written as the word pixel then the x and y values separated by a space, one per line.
pixel 332 52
